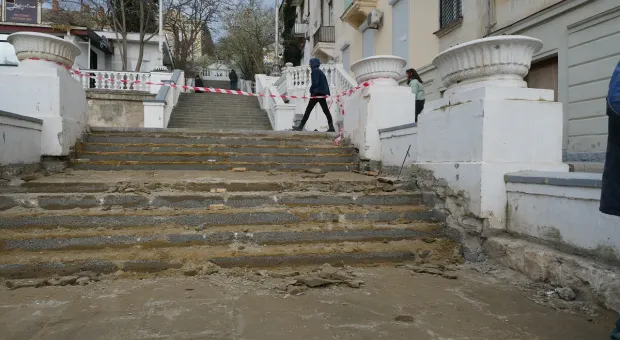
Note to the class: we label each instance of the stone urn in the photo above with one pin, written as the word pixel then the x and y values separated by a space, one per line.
pixel 498 61
pixel 42 46
pixel 381 69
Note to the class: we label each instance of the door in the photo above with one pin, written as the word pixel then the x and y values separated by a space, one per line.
pixel 544 75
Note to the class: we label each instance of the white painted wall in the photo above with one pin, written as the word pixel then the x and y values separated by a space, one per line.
pixel 42 90
pixel 472 138
pixel 396 143
pixel 20 141
pixel 563 215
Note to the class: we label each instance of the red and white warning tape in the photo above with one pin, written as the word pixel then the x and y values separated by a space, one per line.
pixel 207 89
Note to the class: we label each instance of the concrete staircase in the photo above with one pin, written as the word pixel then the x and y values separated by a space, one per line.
pixel 213 111
pixel 144 219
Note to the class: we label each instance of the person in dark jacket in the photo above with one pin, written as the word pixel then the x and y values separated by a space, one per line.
pixel 233 79
pixel 610 189
pixel 319 87
pixel 198 83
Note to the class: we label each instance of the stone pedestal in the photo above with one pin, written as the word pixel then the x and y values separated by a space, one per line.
pixel 44 89
pixel 381 105
pixel 489 124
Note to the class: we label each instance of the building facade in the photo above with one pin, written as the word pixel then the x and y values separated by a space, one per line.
pixel 581 46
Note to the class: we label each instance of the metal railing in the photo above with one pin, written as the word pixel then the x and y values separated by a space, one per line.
pixel 450 11
pixel 325 34
pixel 300 30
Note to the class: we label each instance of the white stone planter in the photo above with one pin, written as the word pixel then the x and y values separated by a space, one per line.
pixel 500 61
pixel 43 46
pixel 384 69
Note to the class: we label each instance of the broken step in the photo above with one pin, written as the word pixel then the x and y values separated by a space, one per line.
pixel 132 199
pixel 196 217
pixel 46 263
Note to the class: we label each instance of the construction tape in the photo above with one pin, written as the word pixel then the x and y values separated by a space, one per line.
pixel 203 89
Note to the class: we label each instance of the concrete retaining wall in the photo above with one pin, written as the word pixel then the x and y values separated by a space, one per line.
pixel 20 139
pixel 395 142
pixel 562 209
pixel 116 108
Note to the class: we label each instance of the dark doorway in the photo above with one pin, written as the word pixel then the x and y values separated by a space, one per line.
pixel 93 66
pixel 544 75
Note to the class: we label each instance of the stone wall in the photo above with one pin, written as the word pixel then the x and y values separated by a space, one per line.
pixel 107 108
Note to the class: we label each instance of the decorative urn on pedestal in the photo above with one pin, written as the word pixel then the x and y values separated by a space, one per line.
pixel 382 69
pixel 39 49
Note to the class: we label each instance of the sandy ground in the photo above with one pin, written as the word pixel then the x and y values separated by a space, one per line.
pixel 243 304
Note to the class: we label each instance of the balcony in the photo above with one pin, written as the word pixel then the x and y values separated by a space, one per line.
pixel 300 30
pixel 324 39
pixel 356 11
pixel 296 2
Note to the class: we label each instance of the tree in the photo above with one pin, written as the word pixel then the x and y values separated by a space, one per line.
pixel 292 46
pixel 248 32
pixel 121 16
pixel 188 21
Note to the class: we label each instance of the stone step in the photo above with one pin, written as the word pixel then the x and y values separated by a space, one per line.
pixel 212 137
pixel 177 237
pixel 48 263
pixel 128 218
pixel 236 157
pixel 290 150
pixel 179 200
pixel 117 164
pixel 188 132
pixel 79 181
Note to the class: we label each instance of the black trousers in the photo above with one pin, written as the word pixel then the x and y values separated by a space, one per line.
pixel 610 189
pixel 311 104
pixel 419 106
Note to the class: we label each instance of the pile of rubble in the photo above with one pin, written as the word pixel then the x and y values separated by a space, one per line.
pixel 322 277
pixel 445 271
pixel 81 278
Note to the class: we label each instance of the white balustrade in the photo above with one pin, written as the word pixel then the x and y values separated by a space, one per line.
pixel 114 80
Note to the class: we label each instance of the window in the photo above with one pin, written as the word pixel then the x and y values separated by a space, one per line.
pixel 450 11
pixel 368 43
pixel 346 58
pixel 330 7
pixel 400 29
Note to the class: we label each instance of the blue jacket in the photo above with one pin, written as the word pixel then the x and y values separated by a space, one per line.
pixel 613 96
pixel 319 86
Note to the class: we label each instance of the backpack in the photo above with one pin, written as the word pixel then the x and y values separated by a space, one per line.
pixel 613 96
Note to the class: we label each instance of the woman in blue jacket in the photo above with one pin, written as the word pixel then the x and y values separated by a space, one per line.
pixel 319 87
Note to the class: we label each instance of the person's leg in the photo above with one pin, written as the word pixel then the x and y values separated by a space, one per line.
pixel 328 115
pixel 419 106
pixel 309 109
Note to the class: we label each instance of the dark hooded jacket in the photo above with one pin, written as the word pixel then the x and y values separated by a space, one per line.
pixel 319 85
pixel 610 190
pixel 233 76
pixel 199 82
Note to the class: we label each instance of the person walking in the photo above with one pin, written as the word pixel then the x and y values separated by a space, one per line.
pixel 318 88
pixel 198 83
pixel 610 188
pixel 233 79
pixel 417 88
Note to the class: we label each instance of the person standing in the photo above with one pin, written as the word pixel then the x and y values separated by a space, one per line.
pixel 233 79
pixel 198 83
pixel 610 188
pixel 417 88
pixel 318 88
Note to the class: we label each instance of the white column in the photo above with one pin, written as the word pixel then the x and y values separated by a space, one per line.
pixel 489 123
pixel 45 89
pixel 381 105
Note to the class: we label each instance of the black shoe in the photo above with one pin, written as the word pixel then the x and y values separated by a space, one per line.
pixel 298 128
pixel 331 129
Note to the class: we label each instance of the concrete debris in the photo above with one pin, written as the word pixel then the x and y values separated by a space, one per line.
pixel 239 169
pixel 218 190
pixel 433 271
pixel 217 207
pixel 295 290
pixel 91 275
pixel 83 281
pixel 209 269
pixel 404 318
pixel 283 275
pixel 387 180
pixel 424 253
pixel 313 281
pixel 388 188
pixel 371 173
pixel 16 284
pixel 63 281
pixel 428 240
pixel 355 283
pixel 566 293
pixel 313 176
pixel 315 171
pixel 450 276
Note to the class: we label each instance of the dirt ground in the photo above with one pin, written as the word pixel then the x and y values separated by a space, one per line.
pixel 394 303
